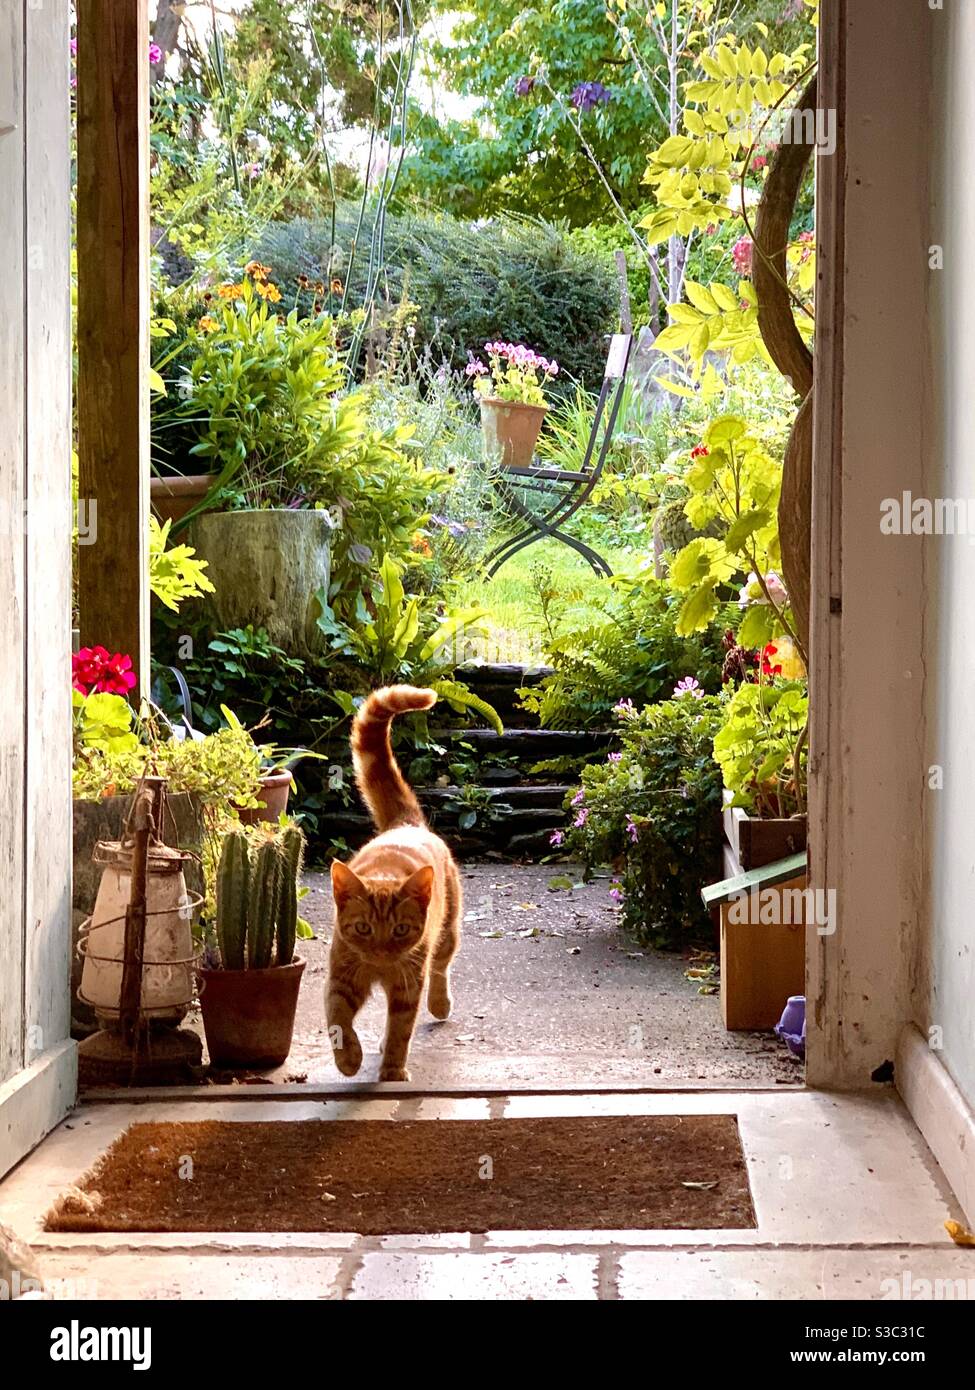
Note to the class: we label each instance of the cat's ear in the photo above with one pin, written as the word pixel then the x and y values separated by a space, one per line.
pixel 419 886
pixel 345 884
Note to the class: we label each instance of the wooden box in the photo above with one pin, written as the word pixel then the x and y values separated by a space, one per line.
pixel 763 940
pixel 762 964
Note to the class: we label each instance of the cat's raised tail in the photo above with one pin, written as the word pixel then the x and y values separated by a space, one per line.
pixel 384 789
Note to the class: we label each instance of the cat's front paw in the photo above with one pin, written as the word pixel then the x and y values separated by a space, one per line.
pixel 393 1074
pixel 348 1058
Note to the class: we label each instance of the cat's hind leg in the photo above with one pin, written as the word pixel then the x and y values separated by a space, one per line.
pixel 439 1000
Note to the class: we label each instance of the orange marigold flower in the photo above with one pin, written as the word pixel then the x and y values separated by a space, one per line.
pixel 421 543
pixel 336 285
pixel 257 271
pixel 208 323
pixel 230 291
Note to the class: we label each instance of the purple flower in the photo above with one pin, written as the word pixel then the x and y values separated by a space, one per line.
pixel 688 686
pixel 74 48
pixel 252 169
pixel 155 54
pixel 624 709
pixel 556 838
pixel 581 818
pixel 616 893
pixel 524 86
pixel 632 829
pixel 579 797
pixel 586 95
pixel 615 758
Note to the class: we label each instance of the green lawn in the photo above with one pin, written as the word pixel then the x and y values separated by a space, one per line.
pixel 515 626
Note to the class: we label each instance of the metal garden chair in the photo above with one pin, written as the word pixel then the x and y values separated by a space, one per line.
pixel 559 493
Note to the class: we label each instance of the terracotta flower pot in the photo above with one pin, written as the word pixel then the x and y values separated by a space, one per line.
pixel 272 798
pixel 172 498
pixel 249 1015
pixel 510 431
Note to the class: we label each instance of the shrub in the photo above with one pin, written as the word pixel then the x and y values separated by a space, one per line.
pixel 652 811
pixel 265 395
pixel 633 652
pixel 472 282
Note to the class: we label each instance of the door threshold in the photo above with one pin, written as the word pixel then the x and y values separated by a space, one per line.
pixel 357 1090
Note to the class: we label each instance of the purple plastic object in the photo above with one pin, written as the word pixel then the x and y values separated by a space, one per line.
pixel 791 1027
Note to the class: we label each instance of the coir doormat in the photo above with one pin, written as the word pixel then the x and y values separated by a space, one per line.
pixel 378 1177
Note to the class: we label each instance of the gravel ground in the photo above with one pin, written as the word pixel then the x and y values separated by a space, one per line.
pixel 546 992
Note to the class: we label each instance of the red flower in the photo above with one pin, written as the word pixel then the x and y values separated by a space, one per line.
pixel 699 451
pixel 94 670
pixel 767 668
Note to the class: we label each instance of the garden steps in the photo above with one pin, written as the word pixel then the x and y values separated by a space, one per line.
pixel 516 810
pixel 499 683
pixel 529 745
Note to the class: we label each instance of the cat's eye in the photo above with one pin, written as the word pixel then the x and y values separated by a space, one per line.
pixel 362 929
pixel 401 929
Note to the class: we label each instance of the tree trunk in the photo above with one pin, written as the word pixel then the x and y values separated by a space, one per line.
pixel 165 32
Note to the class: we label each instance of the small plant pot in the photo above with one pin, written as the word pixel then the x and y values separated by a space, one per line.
pixel 510 431
pixel 173 497
pixel 272 797
pixel 249 1015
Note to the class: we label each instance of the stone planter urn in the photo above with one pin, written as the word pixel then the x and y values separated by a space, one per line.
pixel 267 567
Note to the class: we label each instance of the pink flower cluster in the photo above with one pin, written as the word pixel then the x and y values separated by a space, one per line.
pixel 741 254
pixel 93 670
pixel 520 356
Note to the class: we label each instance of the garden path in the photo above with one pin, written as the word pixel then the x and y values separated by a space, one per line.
pixel 547 992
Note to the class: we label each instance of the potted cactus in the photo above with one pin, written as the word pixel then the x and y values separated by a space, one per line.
pixel 249 1002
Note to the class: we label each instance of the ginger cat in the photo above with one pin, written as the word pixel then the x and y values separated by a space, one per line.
pixel 397 902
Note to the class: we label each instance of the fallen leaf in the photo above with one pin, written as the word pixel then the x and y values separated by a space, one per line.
pixel 464 1037
pixel 560 882
pixel 524 907
pixel 490 935
pixel 701 1186
pixel 960 1234
pixel 529 931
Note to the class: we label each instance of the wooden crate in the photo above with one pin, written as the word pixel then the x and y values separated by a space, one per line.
pixel 762 963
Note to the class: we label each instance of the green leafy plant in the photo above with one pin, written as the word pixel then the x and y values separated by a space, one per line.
pixel 257 898
pixel 102 724
pixel 265 394
pixel 734 488
pixel 652 811
pixel 174 572
pixel 635 651
pixel 760 747
pixel 223 768
pixel 404 639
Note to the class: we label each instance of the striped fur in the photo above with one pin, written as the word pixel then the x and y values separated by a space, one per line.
pixel 377 773
pixel 398 903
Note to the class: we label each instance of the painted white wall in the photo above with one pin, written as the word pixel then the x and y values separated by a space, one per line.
pixel 944 975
